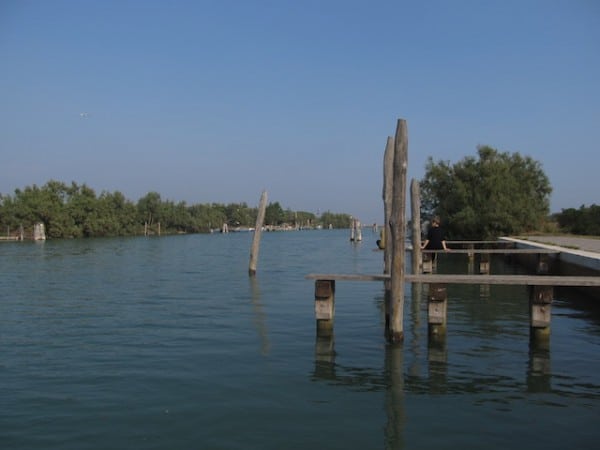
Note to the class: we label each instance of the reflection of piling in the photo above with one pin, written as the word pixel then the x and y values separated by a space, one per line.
pixel 394 399
pixel 539 371
pixel 325 358
pixel 257 232
pixel 259 317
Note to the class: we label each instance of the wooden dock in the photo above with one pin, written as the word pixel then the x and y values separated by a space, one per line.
pixel 394 276
pixel 541 293
pixel 527 280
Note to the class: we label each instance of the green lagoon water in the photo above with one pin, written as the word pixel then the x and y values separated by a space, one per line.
pixel 166 343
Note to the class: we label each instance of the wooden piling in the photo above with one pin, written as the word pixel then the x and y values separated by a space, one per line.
pixel 398 231
pixel 427 262
pixel 484 264
pixel 415 209
pixel 324 306
pixel 540 301
pixel 388 178
pixel 437 307
pixel 257 233
pixel 388 186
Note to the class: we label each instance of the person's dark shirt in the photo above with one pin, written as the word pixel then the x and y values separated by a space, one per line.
pixel 435 237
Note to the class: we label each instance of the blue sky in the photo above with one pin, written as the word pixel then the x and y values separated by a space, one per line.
pixel 214 101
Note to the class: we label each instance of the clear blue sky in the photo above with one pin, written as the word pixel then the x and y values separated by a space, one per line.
pixel 214 101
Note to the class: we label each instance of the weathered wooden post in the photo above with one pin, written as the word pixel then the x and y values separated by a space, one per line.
pixel 437 307
pixel 543 265
pixel 471 253
pixel 427 262
pixel 540 302
pixel 415 209
pixel 260 218
pixel 388 178
pixel 484 264
pixel 324 306
pixel 398 231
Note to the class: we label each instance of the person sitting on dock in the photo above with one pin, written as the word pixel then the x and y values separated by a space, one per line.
pixel 435 238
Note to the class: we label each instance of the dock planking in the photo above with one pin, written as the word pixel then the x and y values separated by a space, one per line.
pixel 526 280
pixel 508 251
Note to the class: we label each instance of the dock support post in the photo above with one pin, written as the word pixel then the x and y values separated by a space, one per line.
pixel 257 233
pixel 484 264
pixel 540 302
pixel 427 265
pixel 324 306
pixel 398 229
pixel 437 307
pixel 471 253
pixel 543 266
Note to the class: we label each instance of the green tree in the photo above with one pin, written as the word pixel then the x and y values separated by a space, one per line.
pixel 274 214
pixel 585 220
pixel 335 220
pixel 485 197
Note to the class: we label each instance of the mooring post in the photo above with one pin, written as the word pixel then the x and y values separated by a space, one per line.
pixel 324 306
pixel 260 218
pixel 427 263
pixel 484 264
pixel 415 209
pixel 398 231
pixel 543 266
pixel 540 302
pixel 388 179
pixel 437 307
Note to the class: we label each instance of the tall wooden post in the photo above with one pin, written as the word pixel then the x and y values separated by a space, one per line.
pixel 260 218
pixel 398 231
pixel 388 186
pixel 415 212
pixel 388 173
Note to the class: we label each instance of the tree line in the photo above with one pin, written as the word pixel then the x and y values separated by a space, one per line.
pixel 585 220
pixel 75 210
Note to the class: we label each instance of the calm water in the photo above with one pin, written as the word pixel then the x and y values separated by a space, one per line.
pixel 166 343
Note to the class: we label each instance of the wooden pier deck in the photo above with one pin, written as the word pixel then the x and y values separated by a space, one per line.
pixel 527 280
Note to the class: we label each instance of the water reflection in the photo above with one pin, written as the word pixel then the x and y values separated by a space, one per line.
pixel 539 370
pixel 394 398
pixel 391 380
pixel 259 317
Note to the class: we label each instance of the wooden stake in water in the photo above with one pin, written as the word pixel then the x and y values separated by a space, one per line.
pixel 388 184
pixel 415 208
pixel 398 230
pixel 260 218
